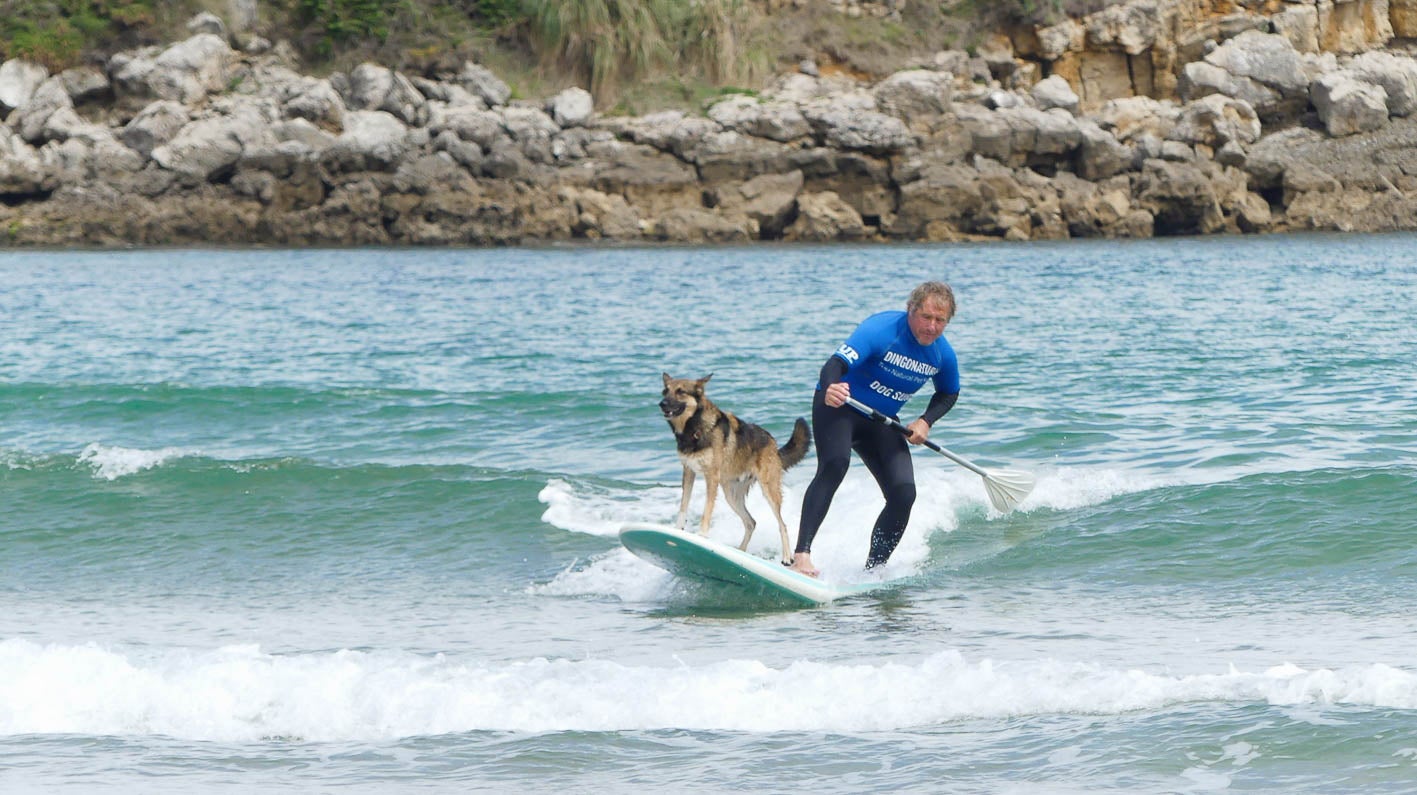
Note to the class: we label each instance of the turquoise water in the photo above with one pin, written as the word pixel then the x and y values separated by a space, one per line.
pixel 345 520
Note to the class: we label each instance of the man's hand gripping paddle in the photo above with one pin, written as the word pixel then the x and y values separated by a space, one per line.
pixel 1006 487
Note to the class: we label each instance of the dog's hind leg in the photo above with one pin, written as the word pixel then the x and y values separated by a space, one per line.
pixel 772 491
pixel 686 489
pixel 736 492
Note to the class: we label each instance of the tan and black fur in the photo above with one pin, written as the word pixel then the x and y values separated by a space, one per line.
pixel 730 452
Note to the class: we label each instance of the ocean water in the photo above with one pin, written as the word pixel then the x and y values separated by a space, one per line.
pixel 344 521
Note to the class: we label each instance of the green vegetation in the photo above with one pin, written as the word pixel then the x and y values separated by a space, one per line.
pixel 340 22
pixel 57 33
pixel 633 55
pixel 609 43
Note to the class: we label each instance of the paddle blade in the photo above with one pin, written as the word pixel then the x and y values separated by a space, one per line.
pixel 1007 488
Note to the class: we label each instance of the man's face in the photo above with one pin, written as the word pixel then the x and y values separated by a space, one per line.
pixel 928 321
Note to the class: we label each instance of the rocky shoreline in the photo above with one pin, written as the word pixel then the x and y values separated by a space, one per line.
pixel 1300 119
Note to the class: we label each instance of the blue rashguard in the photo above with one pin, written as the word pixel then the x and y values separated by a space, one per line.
pixel 885 364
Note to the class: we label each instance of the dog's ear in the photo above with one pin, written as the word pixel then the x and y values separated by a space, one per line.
pixel 704 380
pixel 667 379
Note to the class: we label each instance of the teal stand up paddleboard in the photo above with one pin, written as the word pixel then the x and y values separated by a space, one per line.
pixel 693 556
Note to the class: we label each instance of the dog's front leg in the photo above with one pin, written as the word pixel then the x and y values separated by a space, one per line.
pixel 711 487
pixel 686 488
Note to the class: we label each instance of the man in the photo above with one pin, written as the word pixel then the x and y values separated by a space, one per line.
pixel 882 364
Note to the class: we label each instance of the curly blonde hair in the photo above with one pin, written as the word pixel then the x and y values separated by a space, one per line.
pixel 939 291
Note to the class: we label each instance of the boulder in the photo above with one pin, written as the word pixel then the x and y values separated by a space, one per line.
pixel 933 206
pixel 185 72
pixel 375 87
pixel 302 131
pixel 1347 105
pixel 1267 60
pixel 698 225
pixel 21 172
pixel 450 94
pixel 85 84
pixel 1019 136
pixel 479 81
pixel 841 126
pixel 1200 79
pixel 728 156
pixel 572 107
pixel 1396 74
pixel 313 100
pixel 767 199
pixel 18 81
pixel 154 126
pixel 1100 154
pixel 651 180
pixel 373 140
pixel 30 120
pixel 1055 92
pixel 532 130
pixel 573 144
pixel 915 96
pixel 209 147
pixel 669 131
pixel 469 154
pixel 1215 121
pixel 1130 118
pixel 775 120
pixel 470 123
pixel 1180 197
pixel 602 215
pixel 824 217
pixel 1055 41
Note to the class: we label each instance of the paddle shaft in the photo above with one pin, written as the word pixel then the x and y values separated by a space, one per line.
pixel 895 423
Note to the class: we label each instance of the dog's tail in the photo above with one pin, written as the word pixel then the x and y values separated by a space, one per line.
pixel 796 448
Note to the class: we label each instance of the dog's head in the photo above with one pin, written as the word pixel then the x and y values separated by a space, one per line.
pixel 682 395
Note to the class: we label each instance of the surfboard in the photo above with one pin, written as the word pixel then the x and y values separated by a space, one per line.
pixel 690 555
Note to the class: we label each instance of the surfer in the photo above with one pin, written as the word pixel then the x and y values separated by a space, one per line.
pixel 883 363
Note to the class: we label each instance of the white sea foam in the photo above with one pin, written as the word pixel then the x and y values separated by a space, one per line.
pixel 111 462
pixel 239 693
pixel 943 496
pixel 616 572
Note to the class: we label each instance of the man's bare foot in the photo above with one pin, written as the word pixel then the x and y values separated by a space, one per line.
pixel 802 563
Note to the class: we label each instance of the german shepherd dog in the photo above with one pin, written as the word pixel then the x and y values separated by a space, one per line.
pixel 728 451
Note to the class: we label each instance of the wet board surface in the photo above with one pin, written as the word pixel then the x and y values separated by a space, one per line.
pixel 688 554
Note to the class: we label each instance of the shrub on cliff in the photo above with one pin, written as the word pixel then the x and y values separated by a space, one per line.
pixel 607 43
pixel 57 33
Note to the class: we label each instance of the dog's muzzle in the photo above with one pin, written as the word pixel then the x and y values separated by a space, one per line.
pixel 670 408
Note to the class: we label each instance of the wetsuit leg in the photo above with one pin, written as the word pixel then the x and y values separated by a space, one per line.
pixel 831 431
pixel 887 456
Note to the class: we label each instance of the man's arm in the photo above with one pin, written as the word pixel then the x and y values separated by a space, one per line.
pixel 834 390
pixel 940 405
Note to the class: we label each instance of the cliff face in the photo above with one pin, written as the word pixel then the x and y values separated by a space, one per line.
pixel 1141 48
pixel 1156 117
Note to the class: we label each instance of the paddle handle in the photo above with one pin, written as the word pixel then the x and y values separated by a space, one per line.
pixel 895 423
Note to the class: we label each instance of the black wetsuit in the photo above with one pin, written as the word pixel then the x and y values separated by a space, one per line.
pixel 883 449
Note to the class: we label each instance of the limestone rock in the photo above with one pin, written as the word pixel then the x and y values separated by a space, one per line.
pixel 1347 105
pixel 1055 92
pixel 572 107
pixel 823 217
pixel 154 126
pixel 18 81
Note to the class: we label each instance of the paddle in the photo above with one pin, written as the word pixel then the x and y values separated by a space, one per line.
pixel 1006 487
